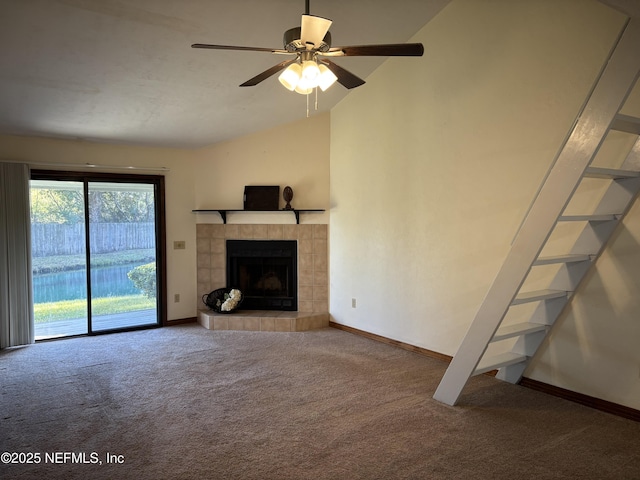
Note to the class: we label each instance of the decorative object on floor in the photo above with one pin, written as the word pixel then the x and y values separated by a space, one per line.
pixel 223 300
pixel 287 194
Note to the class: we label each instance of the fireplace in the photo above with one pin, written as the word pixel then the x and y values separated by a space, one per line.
pixel 265 271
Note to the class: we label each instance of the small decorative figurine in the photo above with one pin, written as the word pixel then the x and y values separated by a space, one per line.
pixel 287 194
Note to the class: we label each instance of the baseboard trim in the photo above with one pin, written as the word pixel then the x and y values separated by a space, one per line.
pixel 180 321
pixel 395 343
pixel 593 402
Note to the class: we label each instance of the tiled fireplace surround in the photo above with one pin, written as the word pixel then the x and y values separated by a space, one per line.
pixel 313 275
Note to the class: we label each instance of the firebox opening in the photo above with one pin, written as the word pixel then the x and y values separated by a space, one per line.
pixel 266 273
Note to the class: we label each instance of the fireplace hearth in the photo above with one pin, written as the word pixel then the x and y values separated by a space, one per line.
pixel 266 273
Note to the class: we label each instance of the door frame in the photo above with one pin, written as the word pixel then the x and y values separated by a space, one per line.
pixel 160 230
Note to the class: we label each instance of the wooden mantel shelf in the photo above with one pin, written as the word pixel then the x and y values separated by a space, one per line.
pixel 223 212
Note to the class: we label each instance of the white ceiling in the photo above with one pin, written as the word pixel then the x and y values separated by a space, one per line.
pixel 123 70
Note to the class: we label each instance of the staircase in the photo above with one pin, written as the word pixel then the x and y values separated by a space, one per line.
pixel 481 350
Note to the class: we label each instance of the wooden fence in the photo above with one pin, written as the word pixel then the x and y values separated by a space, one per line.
pixel 48 239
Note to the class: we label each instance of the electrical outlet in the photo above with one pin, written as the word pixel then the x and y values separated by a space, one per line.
pixel 353 303
pixel 179 245
pixel 176 298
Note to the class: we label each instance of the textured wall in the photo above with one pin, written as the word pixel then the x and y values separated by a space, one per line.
pixel 434 163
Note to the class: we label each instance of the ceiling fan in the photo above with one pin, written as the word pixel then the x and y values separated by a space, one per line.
pixel 312 67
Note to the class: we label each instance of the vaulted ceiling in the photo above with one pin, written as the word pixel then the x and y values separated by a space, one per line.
pixel 123 70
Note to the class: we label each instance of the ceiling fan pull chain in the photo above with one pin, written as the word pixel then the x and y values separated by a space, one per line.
pixel 316 89
pixel 307 95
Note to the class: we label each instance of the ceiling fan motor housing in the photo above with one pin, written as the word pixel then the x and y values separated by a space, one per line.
pixel 311 41
pixel 292 42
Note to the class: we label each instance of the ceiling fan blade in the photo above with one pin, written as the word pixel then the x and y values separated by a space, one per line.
pixel 345 77
pixel 313 30
pixel 234 47
pixel 267 73
pixel 383 50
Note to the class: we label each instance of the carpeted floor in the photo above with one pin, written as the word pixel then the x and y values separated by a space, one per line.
pixel 185 403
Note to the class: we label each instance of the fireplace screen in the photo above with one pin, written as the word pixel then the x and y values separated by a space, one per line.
pixel 265 271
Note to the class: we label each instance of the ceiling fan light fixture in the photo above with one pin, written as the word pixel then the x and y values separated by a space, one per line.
pixel 310 72
pixel 310 43
pixel 304 87
pixel 291 76
pixel 327 77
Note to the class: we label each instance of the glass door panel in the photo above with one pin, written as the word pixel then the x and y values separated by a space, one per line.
pixel 94 252
pixel 122 242
pixel 59 258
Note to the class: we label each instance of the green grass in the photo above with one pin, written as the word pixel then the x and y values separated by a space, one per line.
pixel 60 263
pixel 67 309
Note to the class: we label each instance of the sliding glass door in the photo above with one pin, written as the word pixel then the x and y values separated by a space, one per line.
pixel 59 258
pixel 96 248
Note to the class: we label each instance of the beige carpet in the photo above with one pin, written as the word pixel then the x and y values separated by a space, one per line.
pixel 185 402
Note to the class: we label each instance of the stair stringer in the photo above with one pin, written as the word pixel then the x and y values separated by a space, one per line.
pixel 593 238
pixel 614 85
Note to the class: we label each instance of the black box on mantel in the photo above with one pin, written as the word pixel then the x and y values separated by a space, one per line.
pixel 261 197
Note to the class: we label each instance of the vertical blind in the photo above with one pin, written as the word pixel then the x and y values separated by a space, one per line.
pixel 16 306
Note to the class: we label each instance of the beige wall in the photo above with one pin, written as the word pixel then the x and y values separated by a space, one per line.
pixel 433 165
pixel 214 177
pixel 596 338
pixel 181 264
pixel 296 155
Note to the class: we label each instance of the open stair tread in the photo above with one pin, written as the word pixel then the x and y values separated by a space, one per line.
pixel 611 173
pixel 567 258
pixel 599 115
pixel 589 218
pixel 497 361
pixel 517 329
pixel 536 295
pixel 626 123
